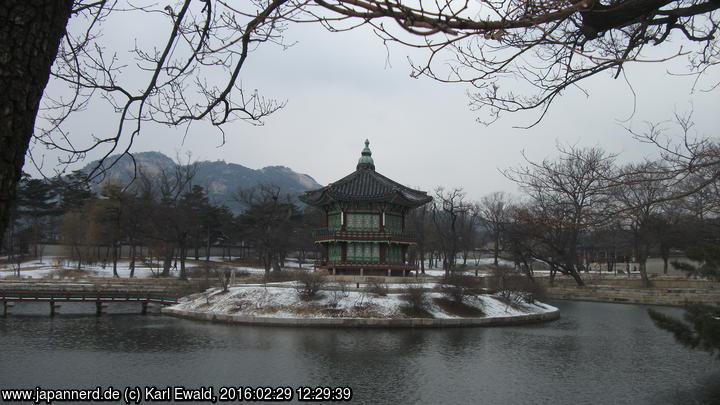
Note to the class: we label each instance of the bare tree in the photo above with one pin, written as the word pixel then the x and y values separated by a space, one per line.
pixel 268 221
pixel 670 228
pixel 691 162
pixel 498 46
pixel 448 210
pixel 469 232
pixel 638 202
pixel 195 73
pixel 566 198
pixel 517 236
pixel 170 223
pixel 418 220
pixel 494 211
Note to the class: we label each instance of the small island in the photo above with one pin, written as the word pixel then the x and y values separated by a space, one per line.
pixel 371 305
pixel 365 237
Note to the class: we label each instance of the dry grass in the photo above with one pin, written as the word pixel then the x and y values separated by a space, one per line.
pixel 309 310
pixel 271 309
pixel 311 298
pixel 334 312
pixel 458 309
pixel 412 312
pixel 70 273
pixel 512 304
pixel 365 311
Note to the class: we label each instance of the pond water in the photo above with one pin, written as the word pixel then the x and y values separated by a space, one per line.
pixel 596 353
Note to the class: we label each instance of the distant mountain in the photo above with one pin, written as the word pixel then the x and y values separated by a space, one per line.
pixel 221 180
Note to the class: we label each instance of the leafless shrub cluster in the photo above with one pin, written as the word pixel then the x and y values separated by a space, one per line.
pixel 224 275
pixel 416 298
pixel 337 294
pixel 457 287
pixel 515 286
pixel 378 288
pixel 309 283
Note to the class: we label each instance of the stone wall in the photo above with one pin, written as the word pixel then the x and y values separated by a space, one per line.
pixel 655 295
pixel 635 282
pixel 364 322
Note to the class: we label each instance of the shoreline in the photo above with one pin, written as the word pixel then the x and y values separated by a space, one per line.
pixel 364 322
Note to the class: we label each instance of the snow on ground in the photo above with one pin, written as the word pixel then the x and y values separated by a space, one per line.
pixel 53 267
pixel 283 301
pixel 57 268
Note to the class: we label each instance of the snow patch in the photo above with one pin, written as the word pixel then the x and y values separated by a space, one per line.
pixel 281 300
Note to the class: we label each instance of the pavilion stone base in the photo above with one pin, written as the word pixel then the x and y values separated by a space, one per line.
pixel 391 271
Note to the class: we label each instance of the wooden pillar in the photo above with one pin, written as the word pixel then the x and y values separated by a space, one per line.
pixel 389 272
pixel 6 307
pixel 325 252
pixel 362 271
pixel 54 308
pixel 383 246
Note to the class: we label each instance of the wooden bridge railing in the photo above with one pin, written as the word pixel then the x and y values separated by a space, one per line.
pixel 87 296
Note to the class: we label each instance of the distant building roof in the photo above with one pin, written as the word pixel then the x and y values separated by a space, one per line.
pixel 365 184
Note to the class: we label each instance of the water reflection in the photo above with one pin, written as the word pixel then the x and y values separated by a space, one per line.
pixel 596 353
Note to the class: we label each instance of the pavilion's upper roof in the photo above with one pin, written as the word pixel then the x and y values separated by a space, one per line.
pixel 365 184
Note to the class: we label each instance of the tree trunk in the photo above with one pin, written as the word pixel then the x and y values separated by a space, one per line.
pixel 107 256
pixel 665 253
pixel 30 32
pixel 643 272
pixel 207 246
pixel 183 254
pixel 167 263
pixel 115 260
pixel 267 262
pixel 577 278
pixel 641 254
pixel 132 260
pixel 496 250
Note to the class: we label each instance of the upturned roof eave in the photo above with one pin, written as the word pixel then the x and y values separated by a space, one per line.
pixel 380 189
pixel 394 198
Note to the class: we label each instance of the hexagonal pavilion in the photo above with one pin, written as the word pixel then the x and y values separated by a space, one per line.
pixel 365 221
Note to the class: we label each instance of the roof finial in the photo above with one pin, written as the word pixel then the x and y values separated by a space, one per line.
pixel 366 160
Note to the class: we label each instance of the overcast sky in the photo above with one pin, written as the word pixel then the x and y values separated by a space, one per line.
pixel 340 90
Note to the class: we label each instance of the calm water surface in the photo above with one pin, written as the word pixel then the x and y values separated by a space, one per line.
pixel 595 354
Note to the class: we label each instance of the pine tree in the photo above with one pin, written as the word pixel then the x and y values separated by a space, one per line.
pixel 700 328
